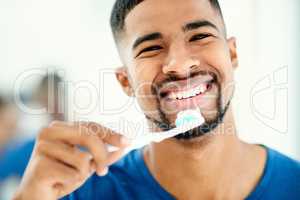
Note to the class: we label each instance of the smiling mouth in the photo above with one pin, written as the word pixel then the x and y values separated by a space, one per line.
pixel 187 93
pixel 190 93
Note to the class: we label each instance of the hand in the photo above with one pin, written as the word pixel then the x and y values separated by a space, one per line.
pixel 59 165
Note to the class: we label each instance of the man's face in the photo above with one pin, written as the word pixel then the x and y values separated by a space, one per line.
pixel 177 58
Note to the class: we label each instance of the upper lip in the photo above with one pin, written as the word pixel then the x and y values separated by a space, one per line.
pixel 184 85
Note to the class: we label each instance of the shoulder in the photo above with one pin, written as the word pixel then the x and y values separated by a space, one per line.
pixel 280 179
pixel 283 162
pixel 284 175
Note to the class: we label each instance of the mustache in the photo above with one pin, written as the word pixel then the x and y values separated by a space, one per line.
pixel 173 78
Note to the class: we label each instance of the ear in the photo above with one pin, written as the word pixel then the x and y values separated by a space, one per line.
pixel 122 76
pixel 233 52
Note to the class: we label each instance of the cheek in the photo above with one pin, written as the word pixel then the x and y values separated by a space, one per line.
pixel 142 76
pixel 217 57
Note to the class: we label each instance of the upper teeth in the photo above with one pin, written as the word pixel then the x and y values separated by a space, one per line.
pixel 189 93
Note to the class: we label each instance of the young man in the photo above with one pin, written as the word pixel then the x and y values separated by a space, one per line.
pixel 176 56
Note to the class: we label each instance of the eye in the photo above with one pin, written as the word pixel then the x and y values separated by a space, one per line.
pixel 149 49
pixel 199 37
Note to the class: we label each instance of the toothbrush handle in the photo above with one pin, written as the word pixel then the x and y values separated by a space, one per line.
pixel 157 137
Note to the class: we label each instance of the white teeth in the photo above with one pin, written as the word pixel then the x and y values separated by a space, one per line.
pixel 172 96
pixel 198 90
pixel 183 95
pixel 186 95
pixel 179 96
pixel 190 93
pixel 202 88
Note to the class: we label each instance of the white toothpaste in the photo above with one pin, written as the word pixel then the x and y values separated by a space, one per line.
pixel 186 120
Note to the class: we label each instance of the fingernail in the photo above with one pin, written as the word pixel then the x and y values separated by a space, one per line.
pixel 103 172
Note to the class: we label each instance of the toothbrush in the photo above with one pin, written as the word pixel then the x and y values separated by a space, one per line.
pixel 186 120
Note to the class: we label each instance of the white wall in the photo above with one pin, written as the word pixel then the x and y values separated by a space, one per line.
pixel 75 35
pixel 265 101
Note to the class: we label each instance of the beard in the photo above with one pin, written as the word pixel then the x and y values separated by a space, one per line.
pixel 204 129
pixel 207 126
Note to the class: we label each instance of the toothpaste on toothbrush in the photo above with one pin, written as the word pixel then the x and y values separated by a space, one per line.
pixel 186 120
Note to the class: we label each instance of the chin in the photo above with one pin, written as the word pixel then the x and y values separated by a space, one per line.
pixel 205 129
pixel 198 132
pixel 194 143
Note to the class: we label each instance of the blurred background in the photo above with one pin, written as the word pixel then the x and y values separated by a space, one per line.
pixel 57 60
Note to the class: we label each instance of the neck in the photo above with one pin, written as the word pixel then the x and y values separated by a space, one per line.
pixel 206 167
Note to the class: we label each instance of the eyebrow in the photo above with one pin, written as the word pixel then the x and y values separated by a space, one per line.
pixel 198 24
pixel 188 27
pixel 148 37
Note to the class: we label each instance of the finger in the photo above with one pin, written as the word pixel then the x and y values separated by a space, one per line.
pixel 117 140
pixel 91 128
pixel 57 172
pixel 107 135
pixel 62 178
pixel 99 152
pixel 112 158
pixel 115 156
pixel 69 155
pixel 68 135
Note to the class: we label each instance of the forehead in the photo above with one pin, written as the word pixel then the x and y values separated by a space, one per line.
pixel 164 15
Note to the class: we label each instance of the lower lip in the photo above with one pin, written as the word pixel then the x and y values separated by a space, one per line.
pixel 189 103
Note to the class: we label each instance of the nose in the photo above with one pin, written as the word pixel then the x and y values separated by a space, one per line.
pixel 179 62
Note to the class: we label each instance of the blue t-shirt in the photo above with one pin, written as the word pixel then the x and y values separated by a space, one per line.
pixel 14 159
pixel 130 179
